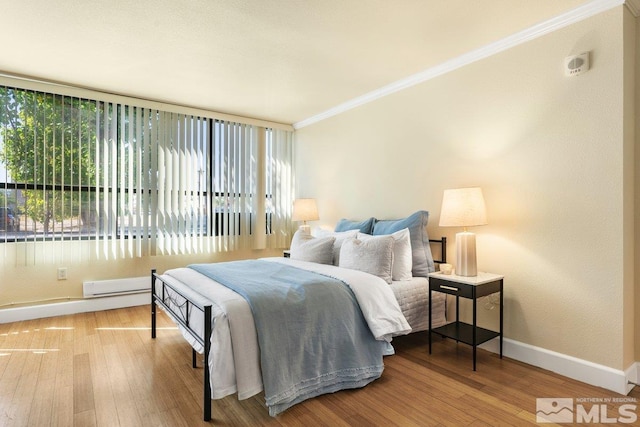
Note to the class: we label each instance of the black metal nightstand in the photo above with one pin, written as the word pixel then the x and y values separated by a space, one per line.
pixel 471 288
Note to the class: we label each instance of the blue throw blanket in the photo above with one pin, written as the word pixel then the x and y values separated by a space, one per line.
pixel 313 337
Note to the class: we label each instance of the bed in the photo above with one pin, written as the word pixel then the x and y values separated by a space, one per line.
pixel 241 351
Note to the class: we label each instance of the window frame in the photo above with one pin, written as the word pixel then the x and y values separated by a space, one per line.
pixel 212 216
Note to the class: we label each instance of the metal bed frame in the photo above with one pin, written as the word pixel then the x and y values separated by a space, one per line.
pixel 181 315
pixel 160 297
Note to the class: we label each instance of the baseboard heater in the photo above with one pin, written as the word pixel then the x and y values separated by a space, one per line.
pixel 108 288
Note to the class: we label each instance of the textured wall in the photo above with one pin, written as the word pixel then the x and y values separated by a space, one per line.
pixel 629 208
pixel 546 149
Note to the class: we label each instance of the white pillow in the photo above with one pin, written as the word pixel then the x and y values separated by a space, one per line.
pixel 340 236
pixel 373 256
pixel 305 247
pixel 402 254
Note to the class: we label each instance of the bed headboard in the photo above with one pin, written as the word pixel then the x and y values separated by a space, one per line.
pixel 442 242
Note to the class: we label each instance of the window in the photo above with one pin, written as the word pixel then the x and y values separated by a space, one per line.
pixel 136 180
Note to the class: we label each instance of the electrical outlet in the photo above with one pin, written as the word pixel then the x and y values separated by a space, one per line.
pixel 62 273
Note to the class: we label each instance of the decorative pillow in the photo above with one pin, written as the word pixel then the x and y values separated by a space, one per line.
pixel 305 247
pixel 421 251
pixel 340 236
pixel 365 226
pixel 402 255
pixel 373 256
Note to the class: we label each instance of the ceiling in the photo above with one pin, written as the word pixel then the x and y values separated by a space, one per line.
pixel 278 60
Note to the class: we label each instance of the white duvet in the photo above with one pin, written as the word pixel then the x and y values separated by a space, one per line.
pixel 234 359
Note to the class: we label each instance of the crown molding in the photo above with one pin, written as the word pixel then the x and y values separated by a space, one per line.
pixel 633 6
pixel 577 14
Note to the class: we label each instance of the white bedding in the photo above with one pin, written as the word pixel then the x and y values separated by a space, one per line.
pixel 413 297
pixel 234 360
pixel 234 364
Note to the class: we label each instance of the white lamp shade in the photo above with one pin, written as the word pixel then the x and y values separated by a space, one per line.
pixel 463 207
pixel 305 210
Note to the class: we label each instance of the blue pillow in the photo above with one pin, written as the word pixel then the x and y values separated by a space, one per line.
pixel 365 226
pixel 420 248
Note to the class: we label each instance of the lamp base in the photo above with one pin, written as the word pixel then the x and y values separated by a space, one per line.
pixel 466 254
pixel 305 228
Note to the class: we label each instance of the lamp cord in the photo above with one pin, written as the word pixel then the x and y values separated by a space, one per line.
pixel 490 302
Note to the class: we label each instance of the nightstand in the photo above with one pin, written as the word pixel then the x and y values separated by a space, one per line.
pixel 471 288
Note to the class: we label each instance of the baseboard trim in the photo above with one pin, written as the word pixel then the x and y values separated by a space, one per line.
pixel 18 314
pixel 572 367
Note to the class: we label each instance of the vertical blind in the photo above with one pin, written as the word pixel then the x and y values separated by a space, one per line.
pixel 137 181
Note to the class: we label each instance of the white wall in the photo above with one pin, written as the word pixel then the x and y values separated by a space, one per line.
pixel 546 149
pixel 629 142
pixel 26 284
pixel 637 192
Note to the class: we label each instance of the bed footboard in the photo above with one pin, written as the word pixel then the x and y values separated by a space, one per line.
pixel 160 296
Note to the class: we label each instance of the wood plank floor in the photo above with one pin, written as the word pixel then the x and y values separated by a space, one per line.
pixel 103 369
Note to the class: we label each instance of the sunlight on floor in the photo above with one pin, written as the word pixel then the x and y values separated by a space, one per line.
pixel 51 328
pixel 140 328
pixel 8 351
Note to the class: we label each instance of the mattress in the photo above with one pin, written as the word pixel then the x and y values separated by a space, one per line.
pixel 413 298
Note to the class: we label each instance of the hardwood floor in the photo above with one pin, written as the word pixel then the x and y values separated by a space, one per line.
pixel 104 369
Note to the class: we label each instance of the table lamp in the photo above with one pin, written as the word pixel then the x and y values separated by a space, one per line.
pixel 305 210
pixel 464 207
